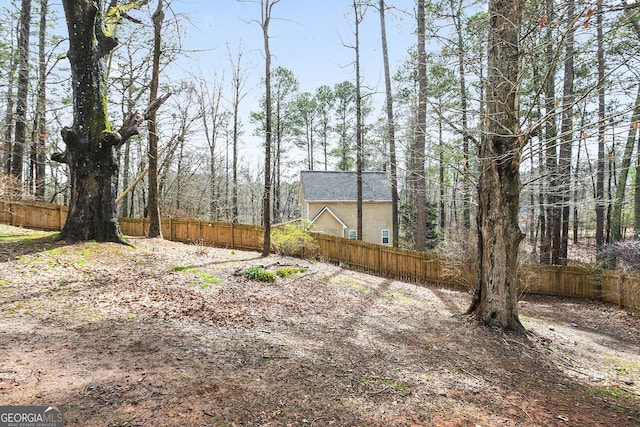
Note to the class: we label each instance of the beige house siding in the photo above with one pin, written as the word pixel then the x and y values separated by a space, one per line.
pixel 376 216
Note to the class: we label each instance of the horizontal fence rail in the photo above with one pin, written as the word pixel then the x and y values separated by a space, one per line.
pixel 617 287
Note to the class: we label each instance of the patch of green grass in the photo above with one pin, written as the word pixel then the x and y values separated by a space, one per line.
pixel 615 393
pixel 288 271
pixel 27 237
pixel 4 282
pixel 257 272
pixel 206 278
pixel 180 268
pixel 398 387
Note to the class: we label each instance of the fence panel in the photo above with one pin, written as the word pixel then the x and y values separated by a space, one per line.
pixel 32 214
pixel 616 287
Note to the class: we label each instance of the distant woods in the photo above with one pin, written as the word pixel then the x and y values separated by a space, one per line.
pixel 575 99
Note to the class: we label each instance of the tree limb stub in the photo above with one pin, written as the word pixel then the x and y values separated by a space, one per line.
pixel 115 14
pixel 131 125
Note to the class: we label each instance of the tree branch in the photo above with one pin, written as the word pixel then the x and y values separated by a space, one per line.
pixel 131 125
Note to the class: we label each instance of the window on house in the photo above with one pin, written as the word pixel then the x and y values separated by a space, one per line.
pixel 353 234
pixel 385 237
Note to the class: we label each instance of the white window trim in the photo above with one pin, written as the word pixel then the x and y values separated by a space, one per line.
pixel 388 237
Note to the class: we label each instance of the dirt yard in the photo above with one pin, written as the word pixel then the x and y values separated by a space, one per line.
pixel 167 334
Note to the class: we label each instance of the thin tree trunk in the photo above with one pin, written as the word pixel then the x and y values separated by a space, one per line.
pixel 41 121
pixel 441 180
pixel 9 117
pixel 550 244
pixel 266 8
pixel 393 168
pixel 600 203
pixel 155 229
pixel 466 211
pixel 358 20
pixel 420 135
pixel 636 201
pixel 566 131
pixel 23 88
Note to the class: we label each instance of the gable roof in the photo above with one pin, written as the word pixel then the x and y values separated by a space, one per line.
pixel 329 186
pixel 332 213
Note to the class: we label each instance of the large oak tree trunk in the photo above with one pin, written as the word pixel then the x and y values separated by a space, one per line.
pixel 90 142
pixel 496 297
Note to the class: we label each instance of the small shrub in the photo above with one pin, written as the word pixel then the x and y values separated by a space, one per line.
pixel 293 240
pixel 288 271
pixel 257 272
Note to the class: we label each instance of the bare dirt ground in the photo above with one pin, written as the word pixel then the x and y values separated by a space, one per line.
pixel 167 334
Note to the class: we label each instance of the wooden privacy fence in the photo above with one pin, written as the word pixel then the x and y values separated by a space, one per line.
pixel 612 286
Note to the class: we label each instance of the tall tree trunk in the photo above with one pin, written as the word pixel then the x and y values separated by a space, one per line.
pixel 90 142
pixel 266 7
pixel 417 173
pixel 576 213
pixel 600 202
pixel 550 242
pixel 391 131
pixel 496 296
pixel 357 20
pixel 9 116
pixel 155 229
pixel 441 149
pixel 616 216
pixel 234 189
pixel 566 130
pixel 636 201
pixel 23 88
pixel 237 97
pixel 460 51
pixel 41 121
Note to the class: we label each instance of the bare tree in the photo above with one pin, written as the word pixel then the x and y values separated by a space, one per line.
pixel 38 148
pixel 358 17
pixel 390 135
pixel 238 94
pixel 266 7
pixel 23 88
pixel 417 173
pixel 600 202
pixel 153 205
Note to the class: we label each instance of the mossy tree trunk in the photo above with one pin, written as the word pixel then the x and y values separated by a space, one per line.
pixel 90 141
pixel 496 297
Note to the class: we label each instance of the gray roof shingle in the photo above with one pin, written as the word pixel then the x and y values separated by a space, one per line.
pixel 342 186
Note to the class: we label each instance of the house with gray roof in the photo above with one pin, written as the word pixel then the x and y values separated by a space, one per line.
pixel 328 201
